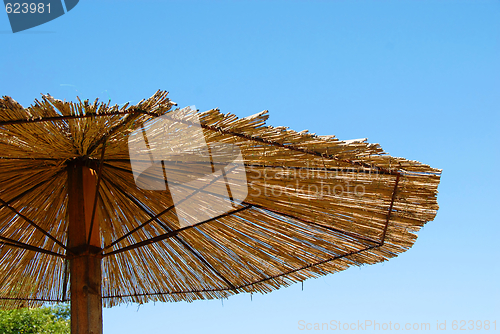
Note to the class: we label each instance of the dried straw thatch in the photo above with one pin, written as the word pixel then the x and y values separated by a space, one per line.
pixel 316 205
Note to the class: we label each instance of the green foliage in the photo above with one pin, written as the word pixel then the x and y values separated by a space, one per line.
pixel 44 320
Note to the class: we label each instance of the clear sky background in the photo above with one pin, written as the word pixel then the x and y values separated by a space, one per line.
pixel 422 78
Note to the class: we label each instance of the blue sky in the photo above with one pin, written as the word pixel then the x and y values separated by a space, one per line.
pixel 421 78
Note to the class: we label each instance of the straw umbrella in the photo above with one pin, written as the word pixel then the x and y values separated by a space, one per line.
pixel 76 223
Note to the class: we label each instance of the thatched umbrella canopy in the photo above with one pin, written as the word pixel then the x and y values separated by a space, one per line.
pixel 74 224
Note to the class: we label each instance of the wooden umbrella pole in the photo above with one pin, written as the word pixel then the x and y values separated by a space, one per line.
pixel 85 260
